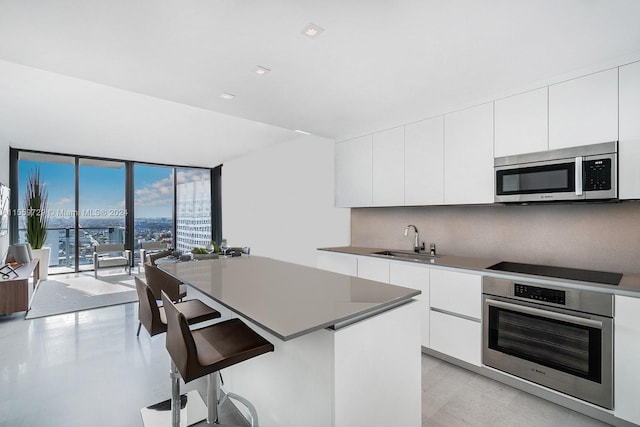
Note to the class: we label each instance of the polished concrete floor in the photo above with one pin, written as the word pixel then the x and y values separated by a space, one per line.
pixel 89 369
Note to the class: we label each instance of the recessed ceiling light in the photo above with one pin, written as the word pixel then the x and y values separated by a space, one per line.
pixel 312 30
pixel 302 132
pixel 227 96
pixel 262 70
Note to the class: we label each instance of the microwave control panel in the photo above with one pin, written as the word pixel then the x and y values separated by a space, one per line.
pixel 554 296
pixel 597 175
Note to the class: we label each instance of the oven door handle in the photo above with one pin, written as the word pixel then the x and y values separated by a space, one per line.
pixel 548 314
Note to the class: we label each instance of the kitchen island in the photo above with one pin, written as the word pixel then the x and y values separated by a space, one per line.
pixel 347 350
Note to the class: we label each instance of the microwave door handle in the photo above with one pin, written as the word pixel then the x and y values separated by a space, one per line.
pixel 548 314
pixel 578 177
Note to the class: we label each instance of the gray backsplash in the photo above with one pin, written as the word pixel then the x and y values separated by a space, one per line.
pixel 603 236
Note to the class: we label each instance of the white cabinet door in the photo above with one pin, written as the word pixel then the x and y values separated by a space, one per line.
pixel 456 337
pixel 522 123
pixel 456 292
pixel 373 269
pixel 468 156
pixel 388 167
pixel 627 349
pixel 354 172
pixel 424 162
pixel 416 277
pixel 584 110
pixel 337 262
pixel 629 146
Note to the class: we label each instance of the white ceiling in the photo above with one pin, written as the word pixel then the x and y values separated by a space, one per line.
pixel 378 64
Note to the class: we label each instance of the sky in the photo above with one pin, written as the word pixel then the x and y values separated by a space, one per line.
pixel 102 189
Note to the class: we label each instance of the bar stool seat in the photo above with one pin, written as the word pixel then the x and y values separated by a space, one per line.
pixel 205 351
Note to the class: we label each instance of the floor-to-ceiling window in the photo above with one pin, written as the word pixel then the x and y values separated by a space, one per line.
pixel 101 206
pixel 193 209
pixel 57 175
pixel 153 205
pixel 95 201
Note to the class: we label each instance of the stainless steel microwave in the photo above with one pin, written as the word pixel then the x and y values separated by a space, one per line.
pixel 583 173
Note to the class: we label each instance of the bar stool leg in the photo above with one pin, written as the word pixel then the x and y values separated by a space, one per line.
pixel 175 395
pixel 213 388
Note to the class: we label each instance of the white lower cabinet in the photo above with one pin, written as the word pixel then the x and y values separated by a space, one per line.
pixel 337 262
pixel 455 327
pixel 415 276
pixel 373 269
pixel 457 292
pixel 456 337
pixel 626 357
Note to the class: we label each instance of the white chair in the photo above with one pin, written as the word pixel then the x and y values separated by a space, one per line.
pixel 111 255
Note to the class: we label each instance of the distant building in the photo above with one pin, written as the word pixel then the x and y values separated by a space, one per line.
pixel 193 215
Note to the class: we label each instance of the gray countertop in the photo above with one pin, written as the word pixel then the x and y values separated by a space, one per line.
pixel 629 285
pixel 288 300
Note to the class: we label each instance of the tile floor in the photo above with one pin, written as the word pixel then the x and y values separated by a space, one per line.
pixel 89 369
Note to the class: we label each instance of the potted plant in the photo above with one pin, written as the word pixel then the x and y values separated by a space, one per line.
pixel 35 204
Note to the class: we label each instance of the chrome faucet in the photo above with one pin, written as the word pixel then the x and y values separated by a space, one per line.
pixel 416 242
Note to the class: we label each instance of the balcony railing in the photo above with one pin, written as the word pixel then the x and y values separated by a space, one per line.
pixel 63 248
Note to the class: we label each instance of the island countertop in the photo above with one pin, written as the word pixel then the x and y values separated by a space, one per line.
pixel 286 299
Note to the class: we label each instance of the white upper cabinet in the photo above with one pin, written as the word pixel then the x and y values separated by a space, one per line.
pixel 584 110
pixel 468 156
pixel 354 172
pixel 522 123
pixel 629 147
pixel 424 162
pixel 388 167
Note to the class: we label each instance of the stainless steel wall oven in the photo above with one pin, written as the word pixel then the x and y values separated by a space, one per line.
pixel 558 337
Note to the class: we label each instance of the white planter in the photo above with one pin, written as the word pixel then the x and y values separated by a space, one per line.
pixel 43 255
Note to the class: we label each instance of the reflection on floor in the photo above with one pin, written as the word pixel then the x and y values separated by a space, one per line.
pixel 89 369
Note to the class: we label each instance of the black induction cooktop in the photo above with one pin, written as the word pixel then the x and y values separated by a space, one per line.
pixel 592 276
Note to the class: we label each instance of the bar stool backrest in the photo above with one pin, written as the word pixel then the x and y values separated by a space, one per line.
pixel 148 311
pixel 180 343
pixel 160 281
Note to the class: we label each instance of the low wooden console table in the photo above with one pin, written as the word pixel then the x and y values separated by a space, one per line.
pixel 15 292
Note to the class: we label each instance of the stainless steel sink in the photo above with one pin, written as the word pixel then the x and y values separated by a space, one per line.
pixel 423 257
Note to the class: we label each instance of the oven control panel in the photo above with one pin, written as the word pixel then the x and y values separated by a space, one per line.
pixel 554 296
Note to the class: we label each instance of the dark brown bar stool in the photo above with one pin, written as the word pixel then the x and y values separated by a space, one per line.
pixel 154 319
pixel 206 351
pixel 155 322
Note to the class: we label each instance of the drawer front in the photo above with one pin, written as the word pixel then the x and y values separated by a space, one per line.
pixel 459 293
pixel 456 337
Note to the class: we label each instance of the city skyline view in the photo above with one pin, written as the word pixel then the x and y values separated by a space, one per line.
pixel 102 189
pixel 101 210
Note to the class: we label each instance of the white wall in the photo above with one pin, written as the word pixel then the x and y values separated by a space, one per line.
pixel 280 201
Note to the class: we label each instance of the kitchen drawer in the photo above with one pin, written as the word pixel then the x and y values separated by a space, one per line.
pixel 455 292
pixel 456 337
